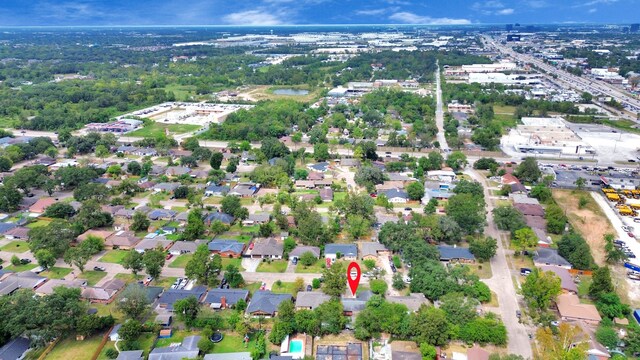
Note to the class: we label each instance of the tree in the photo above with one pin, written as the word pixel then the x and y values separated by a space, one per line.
pixel 468 211
pixel 195 225
pixel 134 168
pixel 153 261
pixel 330 314
pixel 133 301
pixel 55 237
pixel 187 309
pixel 607 336
pixel 576 250
pixel 484 248
pixel 567 344
pixel 233 276
pixel 307 258
pixel 508 218
pixel 528 170
pixel 398 282
pixel 133 261
pixel 203 267
pixel 91 216
pixel 610 306
pixel 428 352
pixel 556 219
pixel 415 190
pixel 5 164
pixel 216 160
pixel 458 308
pixel 357 226
pixel 77 256
pixel 10 198
pixel 60 210
pixel 378 286
pixel 45 258
pixel 181 192
pixel 86 191
pixel 140 222
pixel 448 230
pixel 102 152
pixel 284 323
pixel 130 331
pixel 114 170
pixel 601 282
pixel 485 164
pixel 431 206
pixel 430 326
pixel 335 280
pixel 540 288
pixel 580 183
pixel 230 205
pixel 541 192
pixel 369 176
pixel 525 238
pixel 484 330
pixel 321 152
pixel 456 160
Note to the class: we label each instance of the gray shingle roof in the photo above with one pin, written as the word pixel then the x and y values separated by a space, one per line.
pixel 14 349
pixel 187 350
pixel 301 249
pixel 226 245
pixel 266 302
pixel 548 256
pixel 344 249
pixel 311 299
pixel 130 355
pixel 231 296
pixel 454 253
pixel 169 297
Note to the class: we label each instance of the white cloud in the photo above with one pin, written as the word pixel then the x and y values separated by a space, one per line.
pixel 371 12
pixel 504 12
pixel 406 17
pixel 595 2
pixel 591 11
pixel 536 4
pixel 253 17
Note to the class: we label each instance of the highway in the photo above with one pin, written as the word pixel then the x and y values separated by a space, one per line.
pixel 595 87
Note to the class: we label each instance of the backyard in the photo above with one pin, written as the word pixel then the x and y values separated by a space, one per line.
pixel 71 349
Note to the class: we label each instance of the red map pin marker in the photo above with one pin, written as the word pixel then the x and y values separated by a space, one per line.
pixel 353 277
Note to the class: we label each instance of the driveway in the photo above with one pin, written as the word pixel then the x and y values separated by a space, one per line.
pixel 501 282
pixel 250 265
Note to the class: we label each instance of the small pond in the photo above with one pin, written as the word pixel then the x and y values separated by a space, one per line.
pixel 292 92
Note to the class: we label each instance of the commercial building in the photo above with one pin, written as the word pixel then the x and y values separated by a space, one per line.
pixel 547 136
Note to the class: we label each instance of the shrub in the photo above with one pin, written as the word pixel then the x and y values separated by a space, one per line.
pixel 111 353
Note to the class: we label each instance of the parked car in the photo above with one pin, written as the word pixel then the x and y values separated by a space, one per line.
pixel 169 256
pixel 294 260
pixel 631 235
pixel 309 287
pixel 518 314
pixel 99 268
pixel 525 271
pixel 25 261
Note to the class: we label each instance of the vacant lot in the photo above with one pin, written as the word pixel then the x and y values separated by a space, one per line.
pixel 156 129
pixel 589 221
pixel 71 349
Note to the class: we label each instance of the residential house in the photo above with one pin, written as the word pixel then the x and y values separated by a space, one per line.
pixel 412 301
pixel 170 296
pixel 441 175
pixel 152 243
pixel 41 205
pixel 229 356
pixel 152 292
pixel 351 351
pixel 388 185
pixel 352 305
pixel 518 189
pixel 185 247
pixel 268 248
pixel 178 153
pixel 350 162
pixel 566 279
pixel 218 216
pixel 319 167
pixel 168 187
pixel 509 179
pixel 346 251
pixel 371 250
pixel 225 298
pixel 326 194
pixel 123 239
pixel 547 256
pixel 16 349
pixel 455 254
pixel 124 214
pixel 530 209
pixel 570 309
pixel 17 233
pixel 310 300
pixel 188 349
pixel 394 176
pixel 113 335
pixel 244 190
pixel 162 214
pixel 259 219
pixel 523 199
pixel 265 303
pixel 314 176
pixel 477 353
pixel 4 227
pixel 301 249
pixel 226 248
pixel 102 234
pixel 130 355
pixel 216 190
pixel 47 287
pixel 103 294
pixel 23 280
pixel 437 190
pixel 177 171
pixel 305 184
pixel 396 196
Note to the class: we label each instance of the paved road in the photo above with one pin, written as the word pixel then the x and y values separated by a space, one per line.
pixel 502 284
pixel 440 113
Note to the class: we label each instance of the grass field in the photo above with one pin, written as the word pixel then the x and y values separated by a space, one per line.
pixel 252 287
pixel 114 256
pixel 38 223
pixel 482 270
pixel 71 349
pixel 145 341
pixel 284 288
pixel 275 266
pixel 176 337
pixel 504 109
pixel 16 247
pixel 156 129
pixel 56 272
pixel 236 262
pixel 21 268
pixel 233 343
pixel 92 277
pixel 181 91
pixel 318 267
pixel 181 261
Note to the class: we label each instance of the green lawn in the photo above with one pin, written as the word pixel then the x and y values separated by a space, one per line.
pixel 181 91
pixel 92 277
pixel 176 337
pixel 284 288
pixel 16 247
pixel 21 268
pixel 181 261
pixel 233 343
pixel 161 281
pixel 275 266
pixel 145 341
pixel 316 268
pixel 252 287
pixel 71 349
pixel 157 129
pixel 115 256
pixel 504 109
pixel 236 261
pixel 38 223
pixel 56 272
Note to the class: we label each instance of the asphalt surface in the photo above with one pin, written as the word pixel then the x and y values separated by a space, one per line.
pixel 440 114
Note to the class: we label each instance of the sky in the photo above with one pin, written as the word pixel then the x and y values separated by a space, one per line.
pixel 307 12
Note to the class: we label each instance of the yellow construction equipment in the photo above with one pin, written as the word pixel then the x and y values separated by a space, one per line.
pixel 608 190
pixel 613 196
pixel 626 211
pixel 635 206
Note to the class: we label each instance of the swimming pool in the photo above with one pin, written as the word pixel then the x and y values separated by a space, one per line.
pixel 295 346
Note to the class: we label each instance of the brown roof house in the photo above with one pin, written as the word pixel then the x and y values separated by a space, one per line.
pixel 529 209
pixel 268 248
pixel 103 294
pixel 371 250
pixel 41 205
pixel 122 239
pixel 566 280
pixel 571 309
